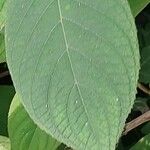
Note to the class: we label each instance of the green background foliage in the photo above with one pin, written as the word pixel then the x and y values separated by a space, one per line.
pixel 2 13
pixel 143 144
pixel 137 6
pixel 6 95
pixel 2 47
pixel 144 34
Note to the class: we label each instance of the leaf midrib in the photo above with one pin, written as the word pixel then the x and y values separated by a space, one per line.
pixel 74 76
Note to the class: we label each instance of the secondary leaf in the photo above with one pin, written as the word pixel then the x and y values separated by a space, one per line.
pixel 4 143
pixel 24 133
pixel 2 13
pixel 75 64
pixel 143 144
pixel 6 95
pixel 1 4
pixel 137 6
pixel 2 47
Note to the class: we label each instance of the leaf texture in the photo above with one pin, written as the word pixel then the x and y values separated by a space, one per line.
pixel 75 64
pixel 2 13
pixel 2 48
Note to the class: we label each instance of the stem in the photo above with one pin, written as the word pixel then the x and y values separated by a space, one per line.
pixel 3 74
pixel 136 122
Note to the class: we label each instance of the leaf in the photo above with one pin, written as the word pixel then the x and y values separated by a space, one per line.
pixel 143 144
pixel 2 13
pixel 24 133
pixel 137 6
pixel 2 48
pixel 6 95
pixel 75 65
pixel 1 4
pixel 4 143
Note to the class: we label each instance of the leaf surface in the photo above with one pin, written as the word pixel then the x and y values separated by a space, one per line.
pixel 143 144
pixel 24 133
pixel 2 47
pixel 75 64
pixel 2 13
pixel 137 6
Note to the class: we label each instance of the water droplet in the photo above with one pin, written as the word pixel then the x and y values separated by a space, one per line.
pixel 117 99
pixel 86 124
pixel 76 102
pixel 79 4
pixel 46 105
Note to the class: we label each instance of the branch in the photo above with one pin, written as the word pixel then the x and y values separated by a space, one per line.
pixel 143 88
pixel 136 122
pixel 3 74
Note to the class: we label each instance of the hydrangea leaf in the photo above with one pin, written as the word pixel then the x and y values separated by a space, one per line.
pixel 75 64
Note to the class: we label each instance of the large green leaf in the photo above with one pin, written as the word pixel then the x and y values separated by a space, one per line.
pixel 6 95
pixel 24 134
pixel 75 64
pixel 4 143
pixel 143 144
pixel 137 6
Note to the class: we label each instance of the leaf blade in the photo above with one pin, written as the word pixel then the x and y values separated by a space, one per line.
pixel 143 143
pixel 2 48
pixel 71 64
pixel 137 6
pixel 2 13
